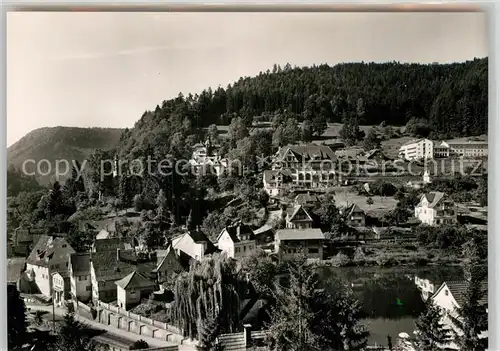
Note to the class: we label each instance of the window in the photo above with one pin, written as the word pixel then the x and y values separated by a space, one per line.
pixel 244 249
pixel 88 288
pixel 132 291
pixel 446 292
pixel 237 249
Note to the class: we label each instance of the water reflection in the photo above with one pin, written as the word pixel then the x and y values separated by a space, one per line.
pixel 389 293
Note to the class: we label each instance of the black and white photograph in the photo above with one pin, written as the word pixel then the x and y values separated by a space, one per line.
pixel 261 181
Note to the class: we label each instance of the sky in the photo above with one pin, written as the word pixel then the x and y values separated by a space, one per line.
pixel 104 69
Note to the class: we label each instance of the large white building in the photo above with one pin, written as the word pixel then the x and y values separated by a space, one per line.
pixel 417 149
pixel 465 148
pixel 436 208
pixel 237 240
pixel 50 254
pixel 309 166
pixel 427 149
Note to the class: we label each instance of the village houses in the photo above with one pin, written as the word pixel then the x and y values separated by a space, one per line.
pixel 79 273
pixel 169 262
pixel 237 240
pixel 298 218
pixel 355 216
pixel 289 242
pixel 428 149
pixel 131 288
pixel 436 208
pixel 193 243
pixel 50 254
pixel 60 287
pixel 311 166
pixel 450 297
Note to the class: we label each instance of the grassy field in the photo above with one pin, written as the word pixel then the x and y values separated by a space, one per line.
pixel 380 205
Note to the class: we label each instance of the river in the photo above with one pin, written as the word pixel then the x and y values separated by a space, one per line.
pixel 389 297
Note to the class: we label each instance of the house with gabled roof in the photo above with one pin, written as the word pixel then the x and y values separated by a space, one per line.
pixel 450 297
pixel 168 263
pixel 274 181
pixel 50 254
pixel 106 267
pixel 311 165
pixel 237 240
pixel 132 288
pixel 297 217
pixel 307 199
pixel 79 276
pixel 289 242
pixel 436 208
pixel 355 216
pixel 111 244
pixel 194 243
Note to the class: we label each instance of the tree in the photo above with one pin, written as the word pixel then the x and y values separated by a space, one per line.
pixel 74 184
pixel 16 317
pixel 262 271
pixel 430 331
pixel 369 201
pixel 237 130
pixel 330 217
pixel 139 345
pixel 55 201
pixel 371 141
pixel 209 327
pixel 73 335
pixel 337 320
pixel 350 132
pixel 307 131
pixel 213 133
pixel 291 325
pixel 471 318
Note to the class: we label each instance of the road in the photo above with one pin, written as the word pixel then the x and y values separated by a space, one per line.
pixel 112 332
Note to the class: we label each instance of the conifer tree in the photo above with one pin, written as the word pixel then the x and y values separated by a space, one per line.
pixel 430 330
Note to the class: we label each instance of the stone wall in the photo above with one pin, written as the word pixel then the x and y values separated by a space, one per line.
pixel 131 322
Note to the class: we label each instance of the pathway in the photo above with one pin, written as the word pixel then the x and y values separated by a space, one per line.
pixel 110 329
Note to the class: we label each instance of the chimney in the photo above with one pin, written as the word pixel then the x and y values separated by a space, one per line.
pixel 238 229
pixel 118 254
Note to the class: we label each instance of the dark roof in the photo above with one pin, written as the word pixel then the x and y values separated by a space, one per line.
pixel 293 211
pixel 199 237
pixel 111 244
pixel 134 280
pixel 236 231
pixel 80 262
pixel 459 288
pixel 354 209
pixel 300 234
pixel 433 197
pixel 48 248
pixel 303 199
pixel 307 152
pixel 107 267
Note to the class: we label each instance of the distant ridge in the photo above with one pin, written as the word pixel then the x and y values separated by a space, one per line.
pixel 58 143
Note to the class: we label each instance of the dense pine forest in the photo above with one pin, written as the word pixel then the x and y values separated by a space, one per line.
pixel 451 99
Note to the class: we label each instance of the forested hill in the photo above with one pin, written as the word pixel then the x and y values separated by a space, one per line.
pixel 60 143
pixel 453 98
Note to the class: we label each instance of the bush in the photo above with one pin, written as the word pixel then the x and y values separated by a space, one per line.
pixel 340 260
pixel 359 256
pixel 139 345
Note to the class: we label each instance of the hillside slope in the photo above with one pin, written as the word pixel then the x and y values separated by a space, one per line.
pixel 60 143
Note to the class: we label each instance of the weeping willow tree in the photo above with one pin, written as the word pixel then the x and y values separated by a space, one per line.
pixel 211 289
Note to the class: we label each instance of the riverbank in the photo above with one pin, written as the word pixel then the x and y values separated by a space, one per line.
pixel 391 254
